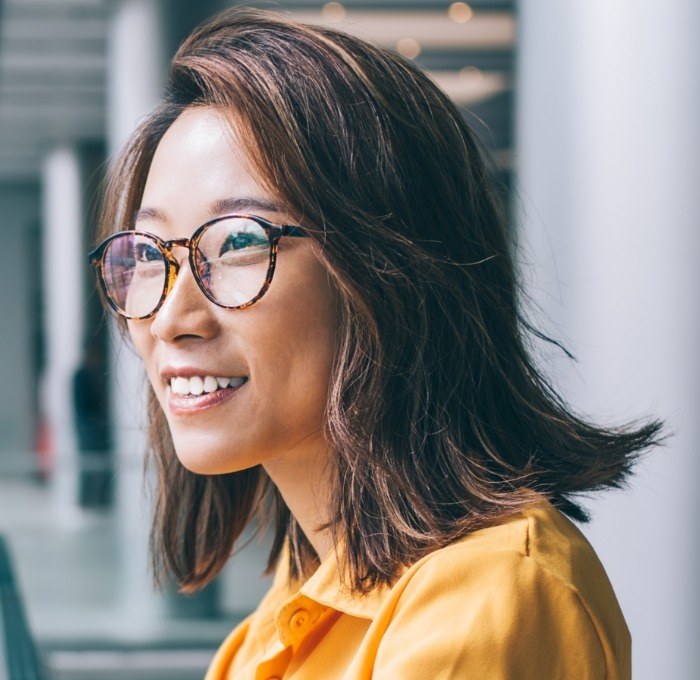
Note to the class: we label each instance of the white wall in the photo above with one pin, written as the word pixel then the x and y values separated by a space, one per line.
pixel 608 144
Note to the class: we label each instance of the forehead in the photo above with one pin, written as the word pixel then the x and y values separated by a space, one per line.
pixel 201 169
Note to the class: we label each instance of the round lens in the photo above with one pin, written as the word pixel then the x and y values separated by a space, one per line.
pixel 134 271
pixel 233 258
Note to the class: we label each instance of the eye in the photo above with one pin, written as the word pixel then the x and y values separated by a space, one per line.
pixel 243 240
pixel 243 248
pixel 147 252
pixel 232 244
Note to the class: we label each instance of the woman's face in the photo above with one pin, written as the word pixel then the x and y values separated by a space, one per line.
pixel 280 350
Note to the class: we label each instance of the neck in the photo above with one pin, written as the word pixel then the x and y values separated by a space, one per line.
pixel 302 479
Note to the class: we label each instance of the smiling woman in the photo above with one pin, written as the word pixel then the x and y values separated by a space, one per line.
pixel 308 250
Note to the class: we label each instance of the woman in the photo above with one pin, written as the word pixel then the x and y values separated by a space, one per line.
pixel 339 346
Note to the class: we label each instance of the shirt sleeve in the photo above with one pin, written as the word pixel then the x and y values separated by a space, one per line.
pixel 500 617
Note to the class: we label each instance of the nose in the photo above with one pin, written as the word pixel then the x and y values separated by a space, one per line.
pixel 185 312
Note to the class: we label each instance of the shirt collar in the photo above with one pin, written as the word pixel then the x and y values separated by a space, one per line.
pixel 327 588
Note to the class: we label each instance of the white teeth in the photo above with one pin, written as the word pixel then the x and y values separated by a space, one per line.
pixel 197 385
pixel 180 385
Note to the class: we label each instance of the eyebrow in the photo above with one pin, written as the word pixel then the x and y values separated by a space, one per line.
pixel 149 214
pixel 244 204
pixel 220 207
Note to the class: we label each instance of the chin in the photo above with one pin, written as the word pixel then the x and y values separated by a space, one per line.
pixel 205 464
pixel 203 457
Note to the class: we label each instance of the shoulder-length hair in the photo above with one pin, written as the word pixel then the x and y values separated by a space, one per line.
pixel 438 420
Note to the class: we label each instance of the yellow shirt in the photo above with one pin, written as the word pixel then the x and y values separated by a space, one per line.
pixel 524 600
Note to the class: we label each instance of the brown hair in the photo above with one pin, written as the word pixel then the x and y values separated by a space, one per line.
pixel 438 420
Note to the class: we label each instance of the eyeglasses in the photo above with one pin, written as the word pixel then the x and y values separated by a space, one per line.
pixel 232 258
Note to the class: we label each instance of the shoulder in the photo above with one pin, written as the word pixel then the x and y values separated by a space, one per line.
pixel 539 540
pixel 530 590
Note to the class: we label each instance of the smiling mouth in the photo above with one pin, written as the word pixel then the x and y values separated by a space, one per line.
pixel 190 396
pixel 199 385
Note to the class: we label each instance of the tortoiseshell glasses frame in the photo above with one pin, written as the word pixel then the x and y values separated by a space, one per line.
pixel 274 232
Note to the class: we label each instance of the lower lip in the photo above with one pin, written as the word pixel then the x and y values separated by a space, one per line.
pixel 186 405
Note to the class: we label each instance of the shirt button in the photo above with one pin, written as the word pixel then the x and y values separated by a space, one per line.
pixel 299 620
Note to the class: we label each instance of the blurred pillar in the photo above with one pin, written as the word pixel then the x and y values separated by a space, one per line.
pixel 142 35
pixel 608 147
pixel 63 299
pixel 134 82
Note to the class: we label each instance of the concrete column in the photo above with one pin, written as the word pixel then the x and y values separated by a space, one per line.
pixel 137 64
pixel 134 82
pixel 608 147
pixel 63 297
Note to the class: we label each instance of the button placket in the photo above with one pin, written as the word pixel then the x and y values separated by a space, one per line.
pixel 299 620
pixel 296 617
pixel 274 667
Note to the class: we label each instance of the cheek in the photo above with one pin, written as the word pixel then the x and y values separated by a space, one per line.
pixel 311 362
pixel 142 341
pixel 296 351
pixel 138 335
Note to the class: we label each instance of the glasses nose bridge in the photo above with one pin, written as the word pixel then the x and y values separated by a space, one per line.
pixel 174 269
pixel 175 243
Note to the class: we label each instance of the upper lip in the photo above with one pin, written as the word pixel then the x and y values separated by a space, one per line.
pixel 167 373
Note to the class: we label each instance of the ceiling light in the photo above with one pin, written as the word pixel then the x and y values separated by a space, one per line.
pixel 471 73
pixel 434 30
pixel 333 11
pixel 460 12
pixel 408 47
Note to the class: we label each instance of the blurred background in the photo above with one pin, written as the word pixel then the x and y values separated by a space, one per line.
pixel 591 110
